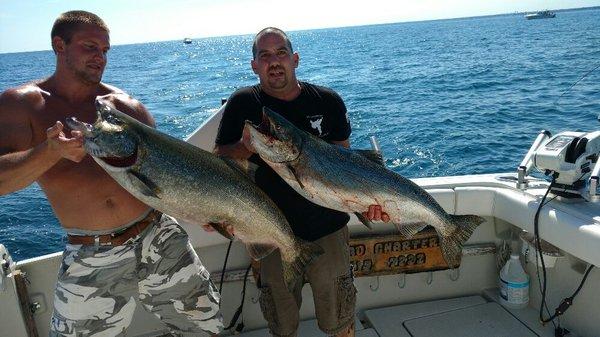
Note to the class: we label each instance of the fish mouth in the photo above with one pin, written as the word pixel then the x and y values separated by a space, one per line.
pixel 77 125
pixel 110 160
pixel 121 162
pixel 270 139
pixel 264 129
pixel 95 151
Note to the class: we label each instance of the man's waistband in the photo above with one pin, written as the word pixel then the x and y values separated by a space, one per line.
pixel 119 237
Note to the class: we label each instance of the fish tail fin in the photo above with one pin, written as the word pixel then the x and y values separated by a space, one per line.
pixel 295 265
pixel 453 242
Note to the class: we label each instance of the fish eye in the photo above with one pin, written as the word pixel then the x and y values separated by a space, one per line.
pixel 112 119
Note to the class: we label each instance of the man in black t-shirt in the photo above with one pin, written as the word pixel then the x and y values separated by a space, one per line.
pixel 322 112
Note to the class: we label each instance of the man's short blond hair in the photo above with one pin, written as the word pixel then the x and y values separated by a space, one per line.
pixel 67 23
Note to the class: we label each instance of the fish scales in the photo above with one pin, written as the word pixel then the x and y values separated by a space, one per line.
pixel 343 179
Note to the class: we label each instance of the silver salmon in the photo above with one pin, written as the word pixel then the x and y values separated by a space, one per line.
pixel 349 181
pixel 194 185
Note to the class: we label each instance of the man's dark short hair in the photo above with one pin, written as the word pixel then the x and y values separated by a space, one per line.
pixel 270 30
pixel 67 23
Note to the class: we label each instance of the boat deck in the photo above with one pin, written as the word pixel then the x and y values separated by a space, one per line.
pixel 471 316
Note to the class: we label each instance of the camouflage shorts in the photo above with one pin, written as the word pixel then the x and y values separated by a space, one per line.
pixel 98 286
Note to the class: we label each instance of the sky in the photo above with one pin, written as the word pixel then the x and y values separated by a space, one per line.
pixel 25 24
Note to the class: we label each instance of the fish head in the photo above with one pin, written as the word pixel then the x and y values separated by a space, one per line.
pixel 275 139
pixel 110 139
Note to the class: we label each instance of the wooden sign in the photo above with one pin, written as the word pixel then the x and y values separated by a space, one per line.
pixel 395 254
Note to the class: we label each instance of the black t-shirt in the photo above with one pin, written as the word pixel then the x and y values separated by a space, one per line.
pixel 317 110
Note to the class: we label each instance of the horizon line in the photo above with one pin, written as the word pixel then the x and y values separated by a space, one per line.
pixel 323 28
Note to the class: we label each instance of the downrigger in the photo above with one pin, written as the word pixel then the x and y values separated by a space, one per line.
pixel 571 158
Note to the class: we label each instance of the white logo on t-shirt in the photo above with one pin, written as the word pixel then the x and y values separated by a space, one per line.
pixel 316 124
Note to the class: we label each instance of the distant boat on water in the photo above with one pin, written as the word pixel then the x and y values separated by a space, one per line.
pixel 187 40
pixel 540 15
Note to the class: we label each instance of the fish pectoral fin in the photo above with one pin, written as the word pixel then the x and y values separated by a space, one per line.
pixel 143 184
pixel 372 155
pixel 364 220
pixel 409 229
pixel 259 250
pixel 295 174
pixel 221 229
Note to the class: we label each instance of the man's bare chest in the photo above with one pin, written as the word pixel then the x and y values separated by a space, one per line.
pixel 55 110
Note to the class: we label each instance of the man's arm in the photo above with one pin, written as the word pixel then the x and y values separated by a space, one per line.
pixel 342 143
pixel 21 163
pixel 233 140
pixel 241 149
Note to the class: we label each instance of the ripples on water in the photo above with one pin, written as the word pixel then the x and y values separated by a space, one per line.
pixel 449 97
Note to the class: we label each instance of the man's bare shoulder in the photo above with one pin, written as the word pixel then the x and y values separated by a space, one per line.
pixel 127 104
pixel 107 89
pixel 25 98
pixel 19 106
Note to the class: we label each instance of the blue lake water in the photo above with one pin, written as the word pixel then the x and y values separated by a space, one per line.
pixel 451 97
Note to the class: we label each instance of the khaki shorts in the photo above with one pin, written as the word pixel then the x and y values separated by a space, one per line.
pixel 331 281
pixel 98 286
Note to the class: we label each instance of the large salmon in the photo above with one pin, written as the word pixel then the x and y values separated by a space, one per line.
pixel 191 184
pixel 348 181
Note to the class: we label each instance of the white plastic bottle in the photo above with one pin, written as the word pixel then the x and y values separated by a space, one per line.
pixel 514 284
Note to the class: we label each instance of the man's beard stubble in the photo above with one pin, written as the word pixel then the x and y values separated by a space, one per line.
pixel 81 74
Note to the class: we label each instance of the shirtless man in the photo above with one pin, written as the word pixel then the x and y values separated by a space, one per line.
pixel 120 238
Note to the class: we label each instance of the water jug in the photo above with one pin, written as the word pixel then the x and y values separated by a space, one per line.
pixel 514 284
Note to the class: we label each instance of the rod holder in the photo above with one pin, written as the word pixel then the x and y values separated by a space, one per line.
pixel 594 182
pixel 375 144
pixel 527 163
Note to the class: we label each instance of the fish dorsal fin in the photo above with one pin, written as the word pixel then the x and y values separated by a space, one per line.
pixel 143 184
pixel 259 250
pixel 372 155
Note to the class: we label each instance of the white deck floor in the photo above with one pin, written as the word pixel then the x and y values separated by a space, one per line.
pixel 471 316
pixel 309 328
